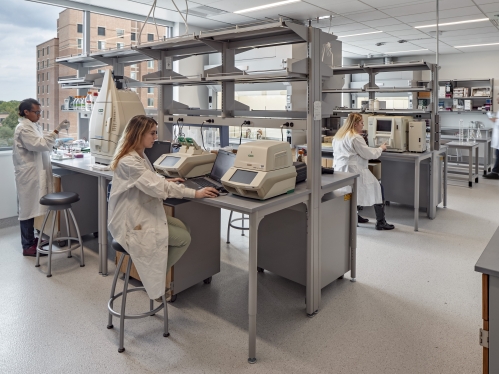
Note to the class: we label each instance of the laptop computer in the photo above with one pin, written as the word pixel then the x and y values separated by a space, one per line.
pixel 223 162
pixel 158 149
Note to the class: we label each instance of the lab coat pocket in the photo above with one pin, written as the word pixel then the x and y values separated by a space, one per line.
pixel 141 243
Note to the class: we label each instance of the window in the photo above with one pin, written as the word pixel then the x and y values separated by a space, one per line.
pixel 38 53
pixel 120 45
pixel 133 89
pixel 43 64
pixel 168 32
pixel 43 52
pixel 150 101
pixel 79 28
pixel 43 114
pixel 134 66
pixel 48 50
pixel 101 44
pixel 101 31
pixel 47 62
pixel 120 33
pixel 47 101
pixel 43 103
pixel 48 114
pixel 43 89
pixel 150 90
pixel 133 36
pixel 47 75
pixel 150 37
pixel 150 64
pixel 48 127
pixel 38 79
pixel 79 42
pixel 47 88
pixel 38 65
pixel 38 91
pixel 101 71
pixel 133 75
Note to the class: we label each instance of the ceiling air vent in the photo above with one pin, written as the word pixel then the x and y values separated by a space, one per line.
pixel 206 11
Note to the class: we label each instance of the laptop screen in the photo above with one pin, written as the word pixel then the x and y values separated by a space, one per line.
pixel 158 149
pixel 224 161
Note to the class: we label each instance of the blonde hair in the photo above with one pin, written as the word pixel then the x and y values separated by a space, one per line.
pixel 132 137
pixel 349 127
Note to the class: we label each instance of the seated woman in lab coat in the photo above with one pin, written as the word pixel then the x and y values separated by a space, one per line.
pixel 137 219
pixel 351 154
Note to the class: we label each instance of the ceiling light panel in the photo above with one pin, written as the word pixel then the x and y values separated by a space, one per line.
pixel 477 45
pixel 443 23
pixel 266 6
pixel 408 51
pixel 359 34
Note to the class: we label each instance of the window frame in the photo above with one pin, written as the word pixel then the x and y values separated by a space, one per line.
pixel 79 28
pixel 101 43
pixel 150 37
pixel 122 33
pixel 150 102
pixel 99 28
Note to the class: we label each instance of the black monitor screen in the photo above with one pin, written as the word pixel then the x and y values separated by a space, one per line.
pixel 223 162
pixel 384 125
pixel 243 176
pixel 157 150
pixel 169 161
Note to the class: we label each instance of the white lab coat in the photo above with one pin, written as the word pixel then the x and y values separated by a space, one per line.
pixel 495 133
pixel 137 219
pixel 32 168
pixel 351 154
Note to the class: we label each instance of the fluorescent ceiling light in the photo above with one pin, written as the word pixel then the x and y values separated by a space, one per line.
pixel 412 50
pixel 475 45
pixel 326 17
pixel 364 33
pixel 271 5
pixel 453 23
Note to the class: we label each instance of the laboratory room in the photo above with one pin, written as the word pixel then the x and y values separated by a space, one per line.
pixel 297 186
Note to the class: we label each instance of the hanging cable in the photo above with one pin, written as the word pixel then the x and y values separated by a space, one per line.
pixel 155 24
pixel 153 6
pixel 282 134
pixel 202 137
pixel 181 15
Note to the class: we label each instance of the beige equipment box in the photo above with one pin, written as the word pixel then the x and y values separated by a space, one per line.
pixel 417 136
pixel 189 162
pixel 262 169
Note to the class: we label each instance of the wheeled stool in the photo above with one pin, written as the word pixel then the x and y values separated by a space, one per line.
pixel 231 224
pixel 123 294
pixel 59 201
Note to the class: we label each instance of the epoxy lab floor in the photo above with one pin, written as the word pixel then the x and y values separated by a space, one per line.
pixel 416 307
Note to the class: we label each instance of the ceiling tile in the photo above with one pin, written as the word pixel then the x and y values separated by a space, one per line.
pixel 397 28
pixel 381 23
pixel 341 6
pixel 367 16
pixel 350 28
pixel 490 8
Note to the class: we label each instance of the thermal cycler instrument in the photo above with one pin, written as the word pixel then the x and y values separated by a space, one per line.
pixel 262 169
pixel 189 162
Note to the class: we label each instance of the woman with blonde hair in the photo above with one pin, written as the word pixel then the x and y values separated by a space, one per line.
pixel 351 154
pixel 137 220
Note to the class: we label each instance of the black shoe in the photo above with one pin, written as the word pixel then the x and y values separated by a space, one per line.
pixel 383 225
pixel 491 175
pixel 361 219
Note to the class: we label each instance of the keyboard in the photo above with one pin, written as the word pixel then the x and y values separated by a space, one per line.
pixel 206 183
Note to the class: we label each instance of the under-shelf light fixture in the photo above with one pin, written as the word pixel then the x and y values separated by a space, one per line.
pixel 266 6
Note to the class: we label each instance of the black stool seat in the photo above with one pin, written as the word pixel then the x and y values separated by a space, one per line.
pixel 117 247
pixel 59 198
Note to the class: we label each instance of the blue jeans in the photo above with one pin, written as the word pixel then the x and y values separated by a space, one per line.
pixel 495 169
pixel 27 232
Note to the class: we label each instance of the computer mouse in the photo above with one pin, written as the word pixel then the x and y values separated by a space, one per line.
pixel 222 190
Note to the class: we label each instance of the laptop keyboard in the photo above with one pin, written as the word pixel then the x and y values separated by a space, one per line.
pixel 205 183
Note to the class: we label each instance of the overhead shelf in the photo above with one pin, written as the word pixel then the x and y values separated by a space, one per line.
pixel 384 111
pixel 398 89
pixel 380 68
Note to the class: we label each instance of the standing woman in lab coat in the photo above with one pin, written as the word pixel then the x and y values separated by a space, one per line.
pixel 351 154
pixel 32 168
pixel 137 219
pixel 494 144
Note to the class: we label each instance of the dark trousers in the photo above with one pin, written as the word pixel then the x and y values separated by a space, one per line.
pixel 27 232
pixel 495 169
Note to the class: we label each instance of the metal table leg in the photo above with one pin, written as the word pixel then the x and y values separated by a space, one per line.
pixel 445 179
pixel 417 171
pixel 485 157
pixel 353 233
pixel 476 163
pixel 470 167
pixel 252 292
pixel 102 201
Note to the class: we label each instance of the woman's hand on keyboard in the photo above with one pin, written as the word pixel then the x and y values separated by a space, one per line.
pixel 176 180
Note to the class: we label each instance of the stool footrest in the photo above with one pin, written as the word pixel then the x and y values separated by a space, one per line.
pixel 132 316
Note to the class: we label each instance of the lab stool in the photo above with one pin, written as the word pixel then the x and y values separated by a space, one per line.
pixel 231 224
pixel 56 202
pixel 123 294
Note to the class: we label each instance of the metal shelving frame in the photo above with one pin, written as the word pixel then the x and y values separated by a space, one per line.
pixel 230 42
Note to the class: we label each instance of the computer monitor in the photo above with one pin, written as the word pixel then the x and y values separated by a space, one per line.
pixel 223 162
pixel 390 130
pixel 158 149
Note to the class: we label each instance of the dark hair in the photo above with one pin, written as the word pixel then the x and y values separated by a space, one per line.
pixel 27 104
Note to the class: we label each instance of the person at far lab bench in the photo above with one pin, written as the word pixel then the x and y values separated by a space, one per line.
pixel 137 219
pixel 494 144
pixel 32 168
pixel 351 155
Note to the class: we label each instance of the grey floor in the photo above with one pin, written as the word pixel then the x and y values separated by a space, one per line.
pixel 416 308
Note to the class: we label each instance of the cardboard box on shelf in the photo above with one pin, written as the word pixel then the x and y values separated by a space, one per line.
pixel 375 168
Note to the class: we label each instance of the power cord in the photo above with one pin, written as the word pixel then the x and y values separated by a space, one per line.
pixel 202 137
pixel 153 6
pixel 181 15
pixel 247 123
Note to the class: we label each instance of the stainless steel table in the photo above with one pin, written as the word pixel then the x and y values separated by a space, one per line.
pixel 470 147
pixel 83 165
pixel 487 151
pixel 416 158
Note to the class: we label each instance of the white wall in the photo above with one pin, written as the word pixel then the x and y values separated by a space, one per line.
pixel 8 193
